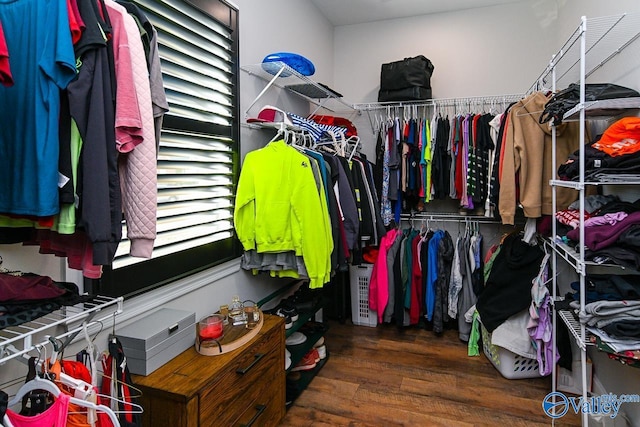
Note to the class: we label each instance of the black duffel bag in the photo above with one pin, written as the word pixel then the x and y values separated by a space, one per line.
pixel 568 98
pixel 406 80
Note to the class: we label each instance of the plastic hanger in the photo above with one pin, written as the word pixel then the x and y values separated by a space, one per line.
pixel 6 422
pixel 528 99
pixel 118 382
pixel 280 134
pixel 356 141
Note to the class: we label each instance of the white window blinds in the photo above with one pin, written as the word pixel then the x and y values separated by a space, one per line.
pixel 195 159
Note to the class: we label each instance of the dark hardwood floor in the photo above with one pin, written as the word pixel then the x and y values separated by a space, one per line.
pixel 385 377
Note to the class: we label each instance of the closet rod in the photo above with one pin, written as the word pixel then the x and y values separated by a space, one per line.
pixel 437 101
pixel 447 217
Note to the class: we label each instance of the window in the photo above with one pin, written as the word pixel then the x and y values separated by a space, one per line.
pixel 198 160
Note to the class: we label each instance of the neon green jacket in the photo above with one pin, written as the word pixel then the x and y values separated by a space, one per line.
pixel 279 208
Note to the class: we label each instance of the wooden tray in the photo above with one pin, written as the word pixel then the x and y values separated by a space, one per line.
pixel 233 338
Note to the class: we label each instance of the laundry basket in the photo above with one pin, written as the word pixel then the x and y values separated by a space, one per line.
pixel 511 365
pixel 359 276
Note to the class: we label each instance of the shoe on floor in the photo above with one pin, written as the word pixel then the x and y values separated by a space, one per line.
pixel 307 363
pixel 322 351
pixel 288 311
pixel 287 359
pixel 296 338
pixel 313 353
pixel 287 362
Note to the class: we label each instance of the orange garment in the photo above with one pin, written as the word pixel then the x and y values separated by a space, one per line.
pixel 622 137
pixel 78 416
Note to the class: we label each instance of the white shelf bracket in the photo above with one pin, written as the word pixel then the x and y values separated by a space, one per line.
pixel 265 89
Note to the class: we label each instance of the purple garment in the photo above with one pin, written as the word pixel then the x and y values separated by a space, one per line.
pixel 602 236
pixel 610 219
pixel 540 331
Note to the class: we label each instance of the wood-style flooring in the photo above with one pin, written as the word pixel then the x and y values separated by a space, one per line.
pixel 385 377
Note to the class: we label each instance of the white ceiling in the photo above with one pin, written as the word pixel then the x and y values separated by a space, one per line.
pixel 346 12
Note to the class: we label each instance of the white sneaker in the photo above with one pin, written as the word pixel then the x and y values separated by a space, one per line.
pixel 296 338
pixel 287 362
pixel 322 351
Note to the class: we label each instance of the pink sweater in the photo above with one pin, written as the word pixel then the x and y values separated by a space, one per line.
pixel 138 168
pixel 379 283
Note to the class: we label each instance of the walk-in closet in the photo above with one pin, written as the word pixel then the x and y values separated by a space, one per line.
pixel 319 213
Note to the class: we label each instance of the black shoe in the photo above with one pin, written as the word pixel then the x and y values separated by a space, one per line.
pixel 287 310
pixel 288 321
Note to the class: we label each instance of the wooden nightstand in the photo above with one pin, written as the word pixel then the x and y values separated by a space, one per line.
pixel 240 388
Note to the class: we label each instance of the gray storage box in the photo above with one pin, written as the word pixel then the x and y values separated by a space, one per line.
pixel 155 339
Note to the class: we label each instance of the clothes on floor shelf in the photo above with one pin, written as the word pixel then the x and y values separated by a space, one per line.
pixel 305 212
pixel 611 313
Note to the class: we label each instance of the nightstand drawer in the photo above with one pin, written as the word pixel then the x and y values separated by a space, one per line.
pixel 267 391
pixel 263 411
pixel 245 374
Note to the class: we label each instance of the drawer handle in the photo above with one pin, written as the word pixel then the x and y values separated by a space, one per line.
pixel 260 409
pixel 256 359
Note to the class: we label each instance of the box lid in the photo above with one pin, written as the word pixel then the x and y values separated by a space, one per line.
pixel 154 328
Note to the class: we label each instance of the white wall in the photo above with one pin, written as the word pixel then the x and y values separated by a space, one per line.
pixel 474 52
pixel 280 26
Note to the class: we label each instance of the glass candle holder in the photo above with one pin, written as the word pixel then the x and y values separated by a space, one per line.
pixel 252 313
pixel 211 327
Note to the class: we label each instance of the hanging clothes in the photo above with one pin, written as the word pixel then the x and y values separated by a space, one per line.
pixel 93 123
pixel 54 416
pixel 6 79
pixel 278 208
pixel 527 155
pixel 444 263
pixel 379 282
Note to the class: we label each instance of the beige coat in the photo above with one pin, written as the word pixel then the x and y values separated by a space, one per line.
pixel 527 152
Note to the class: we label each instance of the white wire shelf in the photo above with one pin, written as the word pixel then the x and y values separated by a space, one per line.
pixel 572 257
pixel 287 78
pixel 272 126
pixel 605 38
pixel 603 109
pixel 612 179
pixel 18 340
pixel 574 327
pixel 568 254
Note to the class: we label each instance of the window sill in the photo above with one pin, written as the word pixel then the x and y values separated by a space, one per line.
pixel 149 301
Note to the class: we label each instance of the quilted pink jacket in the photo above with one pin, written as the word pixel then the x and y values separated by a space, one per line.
pixel 137 160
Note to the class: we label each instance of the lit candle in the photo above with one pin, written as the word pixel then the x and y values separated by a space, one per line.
pixel 211 327
pixel 211 331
